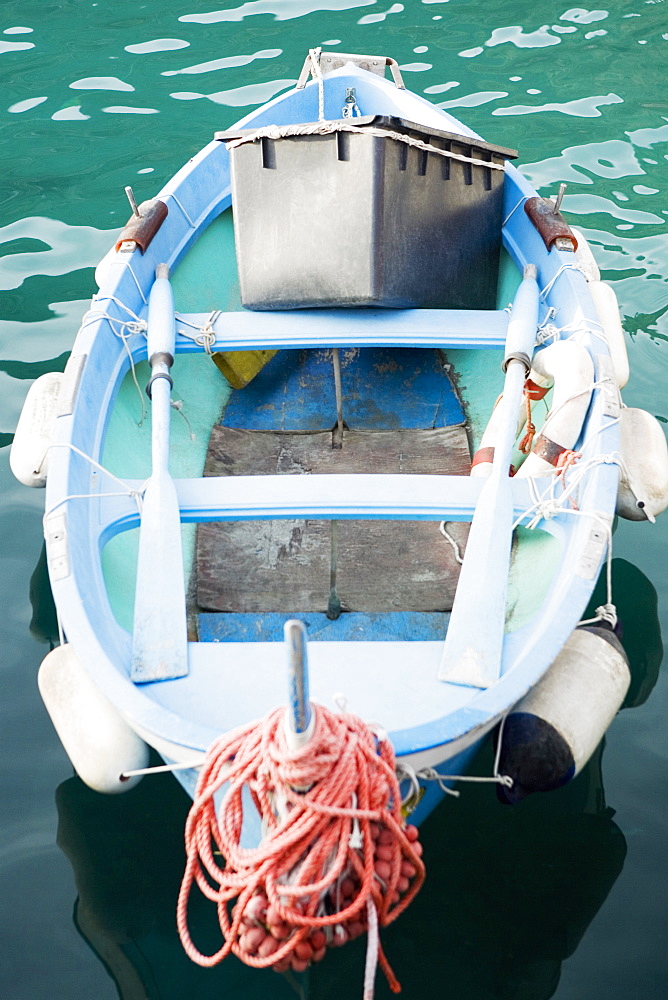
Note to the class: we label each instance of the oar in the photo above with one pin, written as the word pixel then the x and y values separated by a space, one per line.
pixel 159 644
pixel 474 640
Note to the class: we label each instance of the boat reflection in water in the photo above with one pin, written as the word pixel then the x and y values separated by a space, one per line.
pixel 510 893
pixel 510 890
pixel 127 855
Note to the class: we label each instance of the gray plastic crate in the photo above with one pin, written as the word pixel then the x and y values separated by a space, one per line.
pixel 354 219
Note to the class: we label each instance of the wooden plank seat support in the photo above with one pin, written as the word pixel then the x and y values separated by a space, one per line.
pixel 295 328
pixel 373 496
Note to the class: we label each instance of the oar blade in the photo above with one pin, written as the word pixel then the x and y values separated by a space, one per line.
pixel 160 637
pixel 474 640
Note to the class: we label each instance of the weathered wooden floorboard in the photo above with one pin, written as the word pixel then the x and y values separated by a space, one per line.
pixel 284 566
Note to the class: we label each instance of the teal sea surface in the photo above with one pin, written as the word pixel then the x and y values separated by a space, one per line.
pixel 564 896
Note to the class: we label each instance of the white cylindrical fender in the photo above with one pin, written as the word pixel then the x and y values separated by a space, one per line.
pixel 585 258
pixel 607 308
pixel 29 453
pixel 553 731
pixel 643 481
pixel 482 460
pixel 481 464
pixel 569 366
pixel 99 742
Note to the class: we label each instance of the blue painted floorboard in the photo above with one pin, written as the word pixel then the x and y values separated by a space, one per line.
pixel 403 626
pixel 383 388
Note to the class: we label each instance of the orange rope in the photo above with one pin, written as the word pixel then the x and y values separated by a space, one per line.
pixel 527 441
pixel 307 882
pixel 567 459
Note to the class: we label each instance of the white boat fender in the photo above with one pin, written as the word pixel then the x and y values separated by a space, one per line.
pixel 99 742
pixel 643 481
pixel 584 257
pixel 607 309
pixel 569 367
pixel 481 464
pixel 29 453
pixel 553 731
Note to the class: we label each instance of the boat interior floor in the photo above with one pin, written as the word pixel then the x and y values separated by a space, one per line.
pixel 353 579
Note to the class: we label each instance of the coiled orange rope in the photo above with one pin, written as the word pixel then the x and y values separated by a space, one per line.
pixel 335 843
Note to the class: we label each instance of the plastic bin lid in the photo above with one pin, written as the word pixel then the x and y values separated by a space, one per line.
pixel 394 124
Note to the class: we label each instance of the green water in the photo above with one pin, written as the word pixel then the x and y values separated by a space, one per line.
pixel 556 898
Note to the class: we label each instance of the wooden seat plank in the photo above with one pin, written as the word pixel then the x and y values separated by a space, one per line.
pixel 247 330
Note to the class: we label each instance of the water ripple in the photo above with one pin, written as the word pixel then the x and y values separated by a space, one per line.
pixel 396 8
pixel 15 46
pixel 516 36
pixel 283 10
pixel 45 338
pixel 240 97
pixel 587 204
pixel 21 842
pixel 71 114
pixel 157 45
pixel 648 137
pixel 582 16
pixel 69 248
pixel 440 88
pixel 474 100
pixel 614 158
pixel 27 105
pixel 415 67
pixel 100 83
pixel 123 109
pixel 583 107
pixel 226 62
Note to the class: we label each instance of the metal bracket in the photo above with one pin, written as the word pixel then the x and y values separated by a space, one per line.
pixel 329 61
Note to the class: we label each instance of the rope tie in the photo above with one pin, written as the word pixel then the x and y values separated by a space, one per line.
pixel 604 613
pixel 513 210
pixel 549 333
pixel 134 494
pixel 205 337
pixel 407 773
pixel 453 542
pixel 177 404
pixel 124 330
pixel 564 267
pixel 330 127
pixel 526 443
pixel 566 460
pixel 133 326
pixel 548 504
pixel 306 886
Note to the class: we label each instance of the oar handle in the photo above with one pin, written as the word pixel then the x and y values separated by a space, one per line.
pixel 520 343
pixel 161 334
pixel 521 336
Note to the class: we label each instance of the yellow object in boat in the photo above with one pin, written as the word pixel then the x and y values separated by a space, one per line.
pixel 241 367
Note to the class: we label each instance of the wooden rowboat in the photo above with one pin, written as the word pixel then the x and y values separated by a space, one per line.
pixel 390 266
